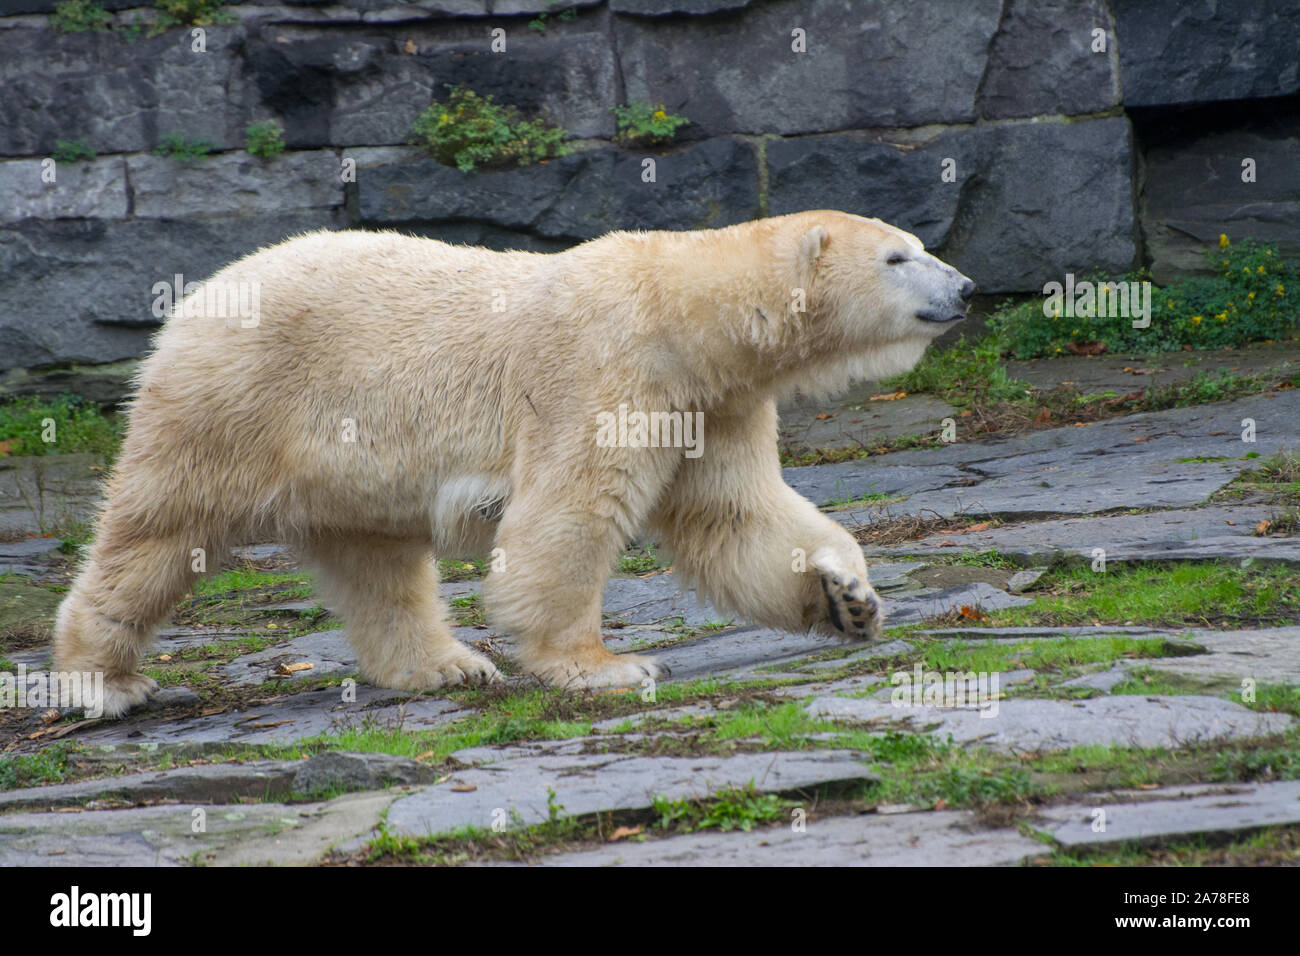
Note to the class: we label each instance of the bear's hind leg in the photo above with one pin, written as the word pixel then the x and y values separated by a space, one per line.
pixel 387 593
pixel 130 582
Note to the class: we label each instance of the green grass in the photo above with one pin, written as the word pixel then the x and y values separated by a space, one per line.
pixel 642 561
pixel 1169 594
pixel 80 16
pixel 66 424
pixel 287 584
pixel 473 132
pixel 1252 297
pixel 177 147
pixel 731 808
pixel 1055 655
pixel 31 770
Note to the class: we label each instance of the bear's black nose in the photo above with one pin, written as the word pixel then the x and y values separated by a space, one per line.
pixel 967 290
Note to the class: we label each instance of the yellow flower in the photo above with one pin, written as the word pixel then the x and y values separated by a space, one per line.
pixel 1281 289
pixel 1196 320
pixel 659 115
pixel 1222 316
pixel 1260 270
pixel 1223 239
pixel 1250 295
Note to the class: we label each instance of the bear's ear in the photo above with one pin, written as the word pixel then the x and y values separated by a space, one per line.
pixel 811 244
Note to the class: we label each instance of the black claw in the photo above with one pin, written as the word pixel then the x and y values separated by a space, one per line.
pixel 857 610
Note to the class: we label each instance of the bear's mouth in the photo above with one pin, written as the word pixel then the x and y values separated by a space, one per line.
pixel 930 315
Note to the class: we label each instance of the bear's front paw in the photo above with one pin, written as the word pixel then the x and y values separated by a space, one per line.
pixel 853 609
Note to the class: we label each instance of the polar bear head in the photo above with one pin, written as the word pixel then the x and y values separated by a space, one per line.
pixel 875 297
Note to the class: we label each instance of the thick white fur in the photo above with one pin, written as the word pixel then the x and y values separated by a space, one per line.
pixel 475 428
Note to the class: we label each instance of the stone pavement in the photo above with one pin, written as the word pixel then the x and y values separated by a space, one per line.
pixel 272 746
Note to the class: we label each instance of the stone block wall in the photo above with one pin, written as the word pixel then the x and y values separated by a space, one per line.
pixel 1061 157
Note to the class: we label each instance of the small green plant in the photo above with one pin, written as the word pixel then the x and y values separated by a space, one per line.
pixel 1254 296
pixel 965 373
pixel 179 148
pixel 80 16
pixel 71 151
pixel 264 140
pixel 644 561
pixel 472 132
pixel 540 22
pixel 69 424
pixel 640 124
pixel 734 808
pixel 189 13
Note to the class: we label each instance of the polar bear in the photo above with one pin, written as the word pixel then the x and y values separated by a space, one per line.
pixel 391 398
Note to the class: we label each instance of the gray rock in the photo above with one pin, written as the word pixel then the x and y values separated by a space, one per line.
pixel 945 838
pixel 285 719
pixel 354 87
pixel 920 605
pixel 1029 725
pixel 1265 655
pixel 121 97
pixel 1177 52
pixel 1041 61
pixel 1194 190
pixel 665 8
pixel 257 834
pixel 654 600
pixel 602 782
pixel 92 189
pixel 234 184
pixel 337 770
pixel 205 783
pixel 893 176
pixel 109 269
pixel 1134 462
pixel 908 65
pixel 1173 812
pixel 1024 580
pixel 328 652
pixel 581 196
pixel 858 421
pixel 1178 534
pixel 173 697
pixel 1044 199
pixel 735 653
pixel 1104 681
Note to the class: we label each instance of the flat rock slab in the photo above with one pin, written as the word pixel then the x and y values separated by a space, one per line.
pixel 228 782
pixel 944 838
pixel 738 652
pixel 1129 462
pixel 1180 534
pixel 284 719
pixel 328 652
pixel 1268 656
pixel 587 783
pixel 654 600
pixel 27 555
pixel 856 421
pixel 1174 812
pixel 921 605
pixel 257 833
pixel 1032 725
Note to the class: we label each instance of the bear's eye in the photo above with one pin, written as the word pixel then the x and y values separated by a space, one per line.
pixel 896 259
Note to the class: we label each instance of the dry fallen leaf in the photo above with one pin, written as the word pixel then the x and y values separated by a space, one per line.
pixel 1044 415
pixel 624 832
pixel 294 667
pixel 50 716
pixel 5 448
pixel 411 47
pixel 978 526
pixel 823 416
pixel 888 396
pixel 464 788
pixel 1263 526
pixel 1140 438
